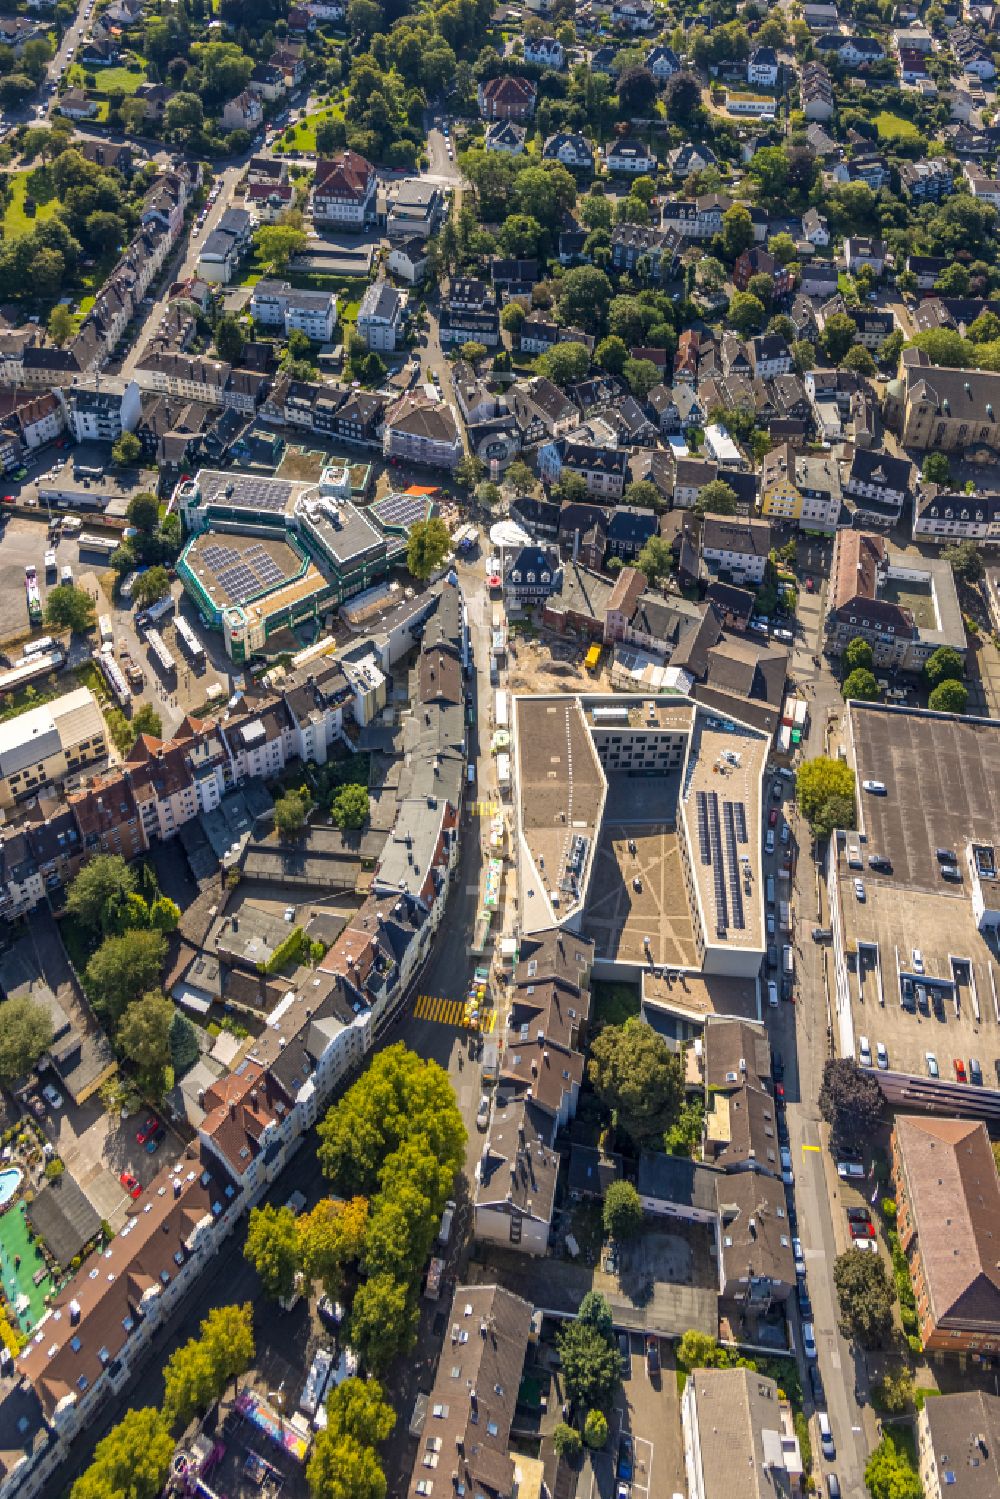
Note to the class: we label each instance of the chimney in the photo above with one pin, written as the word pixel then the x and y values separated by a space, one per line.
pixel 74 1313
pixel 232 1109
pixel 177 1187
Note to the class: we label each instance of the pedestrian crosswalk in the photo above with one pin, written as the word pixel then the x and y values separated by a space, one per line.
pixel 451 1012
pixel 484 809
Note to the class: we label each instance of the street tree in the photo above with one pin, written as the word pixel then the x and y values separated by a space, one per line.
pixel 101 886
pixel 860 686
pixel 622 1211
pixel 469 471
pixel 144 1038
pixel 858 655
pixel 591 1365
pixel 123 968
pixel 357 1408
pixel 889 1474
pixel 69 608
pixel 341 1468
pixel 272 1248
pixel 850 1100
pixel 866 1296
pixel 824 789
pixel 25 1034
pixel 330 1238
pixel 429 544
pixel 384 1319
pixel 636 1075
pixel 519 477
pixel 131 1462
pixel 567 1441
pixel 945 665
pixel 349 808
pixel 949 697
pixel 290 814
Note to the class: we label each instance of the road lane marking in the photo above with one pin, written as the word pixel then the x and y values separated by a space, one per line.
pixel 811 1147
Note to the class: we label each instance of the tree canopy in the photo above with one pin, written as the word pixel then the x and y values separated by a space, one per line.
pixel 638 1077
pixel 850 1100
pixel 858 655
pixel 123 968
pixel 25 1034
pixel 272 1247
pixel 866 1296
pixel 949 697
pixel 349 808
pixel 99 889
pixel 889 1475
pixel 591 1364
pixel 429 544
pixel 69 608
pixel 131 1462
pixel 622 1211
pixel 944 665
pixel 861 686
pixel 825 790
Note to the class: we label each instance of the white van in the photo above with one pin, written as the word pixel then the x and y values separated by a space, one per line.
pixel 447 1218
pixel 471 775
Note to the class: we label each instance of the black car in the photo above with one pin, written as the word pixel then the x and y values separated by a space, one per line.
pixel 805 1305
pixel 652 1355
pixel 819 1397
pixel 859 1215
pixel 777 1067
pixel 876 861
pixel 782 1130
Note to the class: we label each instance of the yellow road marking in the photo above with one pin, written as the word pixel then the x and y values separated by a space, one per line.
pixel 811 1147
pixel 451 1012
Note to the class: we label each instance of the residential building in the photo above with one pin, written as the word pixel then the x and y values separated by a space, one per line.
pixel 245 112
pixel 802 488
pixel 380 317
pixel 507 97
pixel 278 304
pixel 949 410
pixel 758 262
pixel 417 430
pixel 630 157
pixel 958 1445
pixel 101 410
pixel 756 1264
pixel 415 207
pixel 408 261
pixel 816 89
pixel 505 136
pixel 544 51
pixel 344 190
pixel 662 62
pixel 944 515
pixel 572 149
pixel 947 1214
pixel 863 600
pixel 734 1422
pixel 50 743
pixel 927 181
pixel 762 67
pixel 739 548
pixel 815 228
pixel 686 159
pixel 863 250
pixel 877 482
pixel 604 470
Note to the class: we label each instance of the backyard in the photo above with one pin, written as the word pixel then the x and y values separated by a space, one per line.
pixel 895 127
pixel 15 220
pixel 109 80
pixel 302 136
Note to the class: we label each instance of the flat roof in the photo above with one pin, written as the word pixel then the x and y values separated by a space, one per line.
pixel 235 569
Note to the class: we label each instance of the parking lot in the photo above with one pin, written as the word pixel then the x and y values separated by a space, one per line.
pixel 648 1412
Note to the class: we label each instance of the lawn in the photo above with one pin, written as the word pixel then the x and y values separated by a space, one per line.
pixel 109 80
pixel 15 220
pixel 613 1004
pixel 895 127
pixel 302 137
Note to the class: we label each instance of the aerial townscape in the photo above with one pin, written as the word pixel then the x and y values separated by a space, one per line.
pixel 499 749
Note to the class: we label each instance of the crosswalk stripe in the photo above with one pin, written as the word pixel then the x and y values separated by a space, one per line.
pixel 450 1012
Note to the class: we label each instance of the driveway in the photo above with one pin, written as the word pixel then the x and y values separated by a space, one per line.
pixel 648 1411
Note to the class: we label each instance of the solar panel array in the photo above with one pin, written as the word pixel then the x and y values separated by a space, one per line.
pixel 740 813
pixel 401 509
pixel 248 491
pixel 243 574
pixel 733 864
pixel 718 869
pixel 701 804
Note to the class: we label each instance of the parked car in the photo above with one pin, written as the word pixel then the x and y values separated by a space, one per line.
pixel 331 1312
pixel 131 1185
pixel 483 1112
pixel 858 1215
pixel 809 1339
pixel 859 891
pixel 832 1486
pixel 153 1144
pixel 932 1064
pixel 625 1349
pixel 148 1130
pixel 876 788
pixel 802 1291
pixel 652 1355
pixel 52 1096
pixel 772 817
pixel 816 1385
pixel 959 1066
pixel 882 1056
pixel 787 1174
pixel 862 1230
pixel 880 863
pixel 917 959
pixel 626 1457
pixel 826 1436
pixel 850 1170
pixel 772 994
pixel 798 1256
pixel 864 1051
pixel 975 1072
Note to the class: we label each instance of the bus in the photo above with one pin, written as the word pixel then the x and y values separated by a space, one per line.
pixel 159 651
pixel 114 676
pixel 191 644
pixel 152 616
pixel 39 647
pixel 88 542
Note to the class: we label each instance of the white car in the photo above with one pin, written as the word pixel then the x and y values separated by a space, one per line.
pixel 809 1339
pixel 483 1112
pixel 859 891
pixel 772 994
pixel 864 1051
pixel 52 1096
pixel 918 960
pixel 877 788
pixel 882 1057
pixel 787 1174
pixel 932 1064
pixel 799 1257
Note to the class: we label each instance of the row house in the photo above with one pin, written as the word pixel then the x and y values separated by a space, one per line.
pixel 604 470
pixel 200 379
pixel 947 516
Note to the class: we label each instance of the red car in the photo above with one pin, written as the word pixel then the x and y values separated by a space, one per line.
pixel 772 817
pixel 130 1184
pixel 862 1230
pixel 960 1070
pixel 148 1130
pixel 809 585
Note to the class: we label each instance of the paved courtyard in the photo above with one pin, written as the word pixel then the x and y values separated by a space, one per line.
pixel 634 896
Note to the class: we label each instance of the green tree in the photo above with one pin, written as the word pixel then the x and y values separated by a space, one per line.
pixel 643 494
pixel 330 1238
pixel 151 586
pixel 383 1321
pixel 636 1075
pixel 595 1312
pixel 965 561
pixel 585 294
pixel 429 544
pixel 69 608
pixel 342 1468
pixel 229 340
pixel 564 363
pixel 839 333
pixel 164 914
pixel 25 1034
pixel 277 243
pixel 888 1473
pixel 715 498
pixel 595 1430
pixel 769 169
pixel 199 1371
pixel 949 697
pixel 945 665
pixel 803 355
pixel 567 1441
pixel 866 1296
pixel 698 1350
pixel 290 814
pixel 656 559
pixel 272 1248
pixel 936 468
pixel 124 967
pixel 611 354
pixel 895 1393
pixel 746 313
pixel 99 890
pixel 357 1408
pixel 127 451
pixel 519 477
pixel 144 1038
pixel 859 360
pixel 591 1365
pixel 858 655
pixel 641 375
pixel 512 318
pixel 684 1136
pixel 400 1097
pixel 682 97
pixel 822 787
pixel 144 512
pixel 184 1048
pixel 61 324
pixel 469 470
pixel 737 231
pixel 131 1462
pixel 349 808
pixel 850 1100
pixel 860 686
pixel 622 1211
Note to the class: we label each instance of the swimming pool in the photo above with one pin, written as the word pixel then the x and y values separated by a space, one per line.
pixel 10 1180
